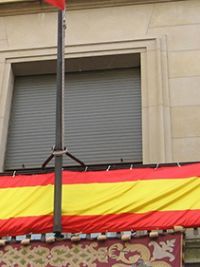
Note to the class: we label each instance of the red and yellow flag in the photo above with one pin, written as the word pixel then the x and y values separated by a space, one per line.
pixel 119 200
pixel 57 3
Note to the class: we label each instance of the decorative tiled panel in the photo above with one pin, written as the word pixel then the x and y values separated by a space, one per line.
pixel 164 251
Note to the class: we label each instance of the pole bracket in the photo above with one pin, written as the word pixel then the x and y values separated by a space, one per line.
pixel 57 153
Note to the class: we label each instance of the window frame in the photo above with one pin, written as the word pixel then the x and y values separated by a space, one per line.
pixel 156 126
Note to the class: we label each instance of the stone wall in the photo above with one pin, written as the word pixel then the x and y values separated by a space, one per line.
pixel 166 34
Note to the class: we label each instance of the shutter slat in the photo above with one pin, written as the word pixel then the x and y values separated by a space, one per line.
pixel 102 118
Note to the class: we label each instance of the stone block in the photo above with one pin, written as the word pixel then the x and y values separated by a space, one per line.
pixel 192 251
pixel 33 30
pixel 186 149
pixel 185 91
pixel 185 121
pixel 176 13
pixel 184 63
pixel 83 26
pixel 179 37
pixel 108 24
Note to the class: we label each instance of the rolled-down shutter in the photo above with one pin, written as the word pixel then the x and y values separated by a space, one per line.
pixel 102 118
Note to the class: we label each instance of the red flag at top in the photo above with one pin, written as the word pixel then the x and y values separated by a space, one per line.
pixel 58 3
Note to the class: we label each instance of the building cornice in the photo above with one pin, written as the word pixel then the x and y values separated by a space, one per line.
pixel 18 7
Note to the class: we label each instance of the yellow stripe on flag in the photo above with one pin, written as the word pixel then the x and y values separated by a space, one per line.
pixel 129 197
pixel 103 198
pixel 26 201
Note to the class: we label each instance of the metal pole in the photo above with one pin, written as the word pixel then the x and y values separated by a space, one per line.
pixel 57 224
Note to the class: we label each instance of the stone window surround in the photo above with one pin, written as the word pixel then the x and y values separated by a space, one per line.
pixel 156 126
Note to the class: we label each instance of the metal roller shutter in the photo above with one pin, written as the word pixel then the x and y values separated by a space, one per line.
pixel 102 118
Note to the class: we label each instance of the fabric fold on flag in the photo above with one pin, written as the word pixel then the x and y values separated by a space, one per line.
pixel 100 201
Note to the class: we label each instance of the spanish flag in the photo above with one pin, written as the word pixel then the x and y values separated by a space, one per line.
pixel 100 201
pixel 57 3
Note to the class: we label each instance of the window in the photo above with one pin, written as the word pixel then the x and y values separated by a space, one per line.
pixel 147 54
pixel 102 117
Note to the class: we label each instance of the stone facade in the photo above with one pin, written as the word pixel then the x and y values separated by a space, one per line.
pixel 166 34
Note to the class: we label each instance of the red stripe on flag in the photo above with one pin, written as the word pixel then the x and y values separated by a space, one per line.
pixel 72 177
pixel 58 3
pixel 26 180
pixel 131 221
pixel 102 223
pixel 187 171
pixel 26 225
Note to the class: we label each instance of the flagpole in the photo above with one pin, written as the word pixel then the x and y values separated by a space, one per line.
pixel 59 144
pixel 59 149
